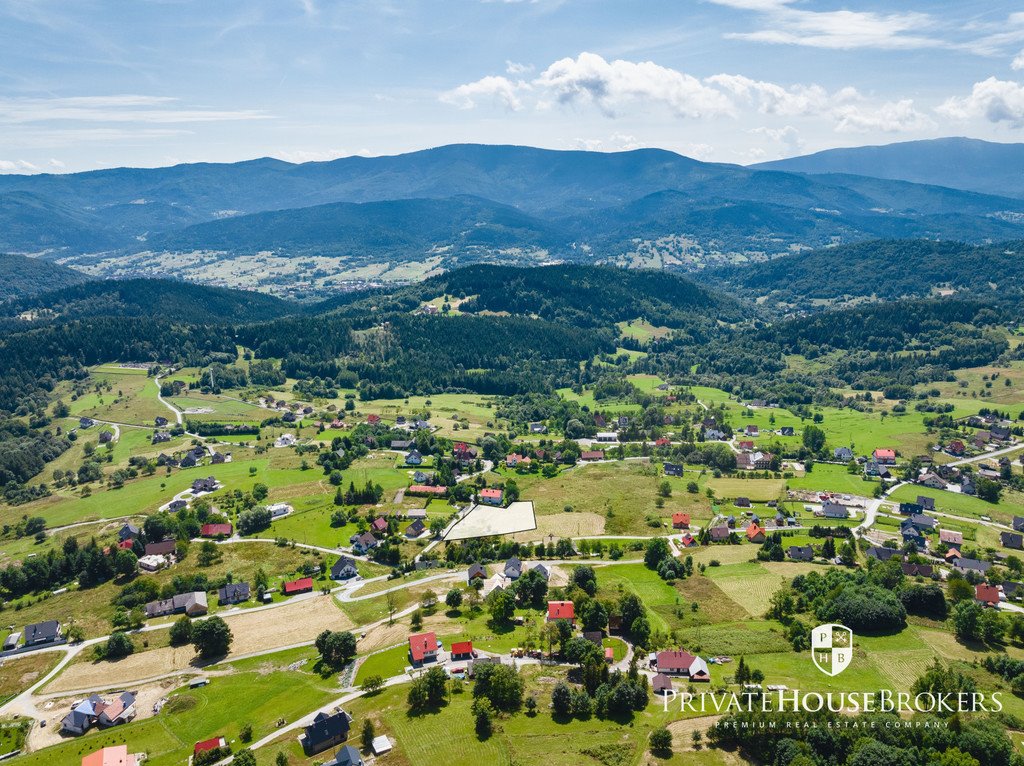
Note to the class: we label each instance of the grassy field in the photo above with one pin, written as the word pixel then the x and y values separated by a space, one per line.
pixel 825 477
pixel 220 709
pixel 1011 503
pixel 617 498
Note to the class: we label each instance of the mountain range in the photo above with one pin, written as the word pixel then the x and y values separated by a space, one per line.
pixel 307 230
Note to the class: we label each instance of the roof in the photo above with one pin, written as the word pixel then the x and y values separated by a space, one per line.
pixel 988 594
pixel 343 563
pixel 675 660
pixel 681 518
pixel 462 647
pixel 491 492
pixel 215 530
pixel 42 631
pixel 162 548
pixel 208 744
pixel 305 583
pixel 116 755
pixel 594 454
pixel 561 610
pixel 973 564
pixel 949 536
pixel 326 728
pixel 882 553
pixel 347 756
pixel 420 644
pixel 661 682
pixel 753 531
pixel 233 591
pixel 425 489
pixel 885 453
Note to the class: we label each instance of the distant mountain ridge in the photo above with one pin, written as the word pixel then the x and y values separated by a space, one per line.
pixel 303 230
pixel 959 163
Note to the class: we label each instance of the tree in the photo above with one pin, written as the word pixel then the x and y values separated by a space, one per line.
pixel 656 550
pixel 500 684
pixel 502 607
pixel 453 599
pixel 118 645
pixel 373 684
pixel 814 438
pixel 211 637
pixel 561 699
pixel 336 647
pixel 368 734
pixel 483 717
pixel 181 631
pixel 967 620
pixel 126 563
pixel 959 590
pixel 584 578
pixel 245 733
pixel 665 489
pixel 244 758
pixel 640 631
pixel 281 759
pixel 429 690
pixel 661 742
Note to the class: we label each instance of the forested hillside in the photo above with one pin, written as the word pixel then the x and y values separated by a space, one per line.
pixel 22 276
pixel 883 269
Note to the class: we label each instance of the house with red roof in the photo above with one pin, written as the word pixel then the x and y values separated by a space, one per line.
pixel 884 456
pixel 593 454
pixel 561 610
pixel 379 525
pixel 215 530
pixel 755 533
pixel 680 521
pixel 303 585
pixel 747 445
pixel 462 650
pixel 116 755
pixel 423 648
pixel 680 663
pixel 688 540
pixel 463 452
pixel 491 495
pixel 956 448
pixel 373 419
pixel 208 744
pixel 986 595
pixel 664 441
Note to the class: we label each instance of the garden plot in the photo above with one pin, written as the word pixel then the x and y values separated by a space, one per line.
pixel 486 520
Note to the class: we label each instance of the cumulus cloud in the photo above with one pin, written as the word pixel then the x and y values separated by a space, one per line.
pixel 491 88
pixel 515 68
pixel 614 87
pixel 17 166
pixel 1018 62
pixel 616 142
pixel 787 136
pixel 843 29
pixel 889 117
pixel 611 85
pixel 993 99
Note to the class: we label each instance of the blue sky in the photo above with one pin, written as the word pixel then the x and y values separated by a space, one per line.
pixel 89 84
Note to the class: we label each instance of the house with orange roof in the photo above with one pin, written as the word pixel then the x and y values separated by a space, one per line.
pixel 423 648
pixel 561 610
pixel 986 595
pixel 462 650
pixel 116 755
pixel 755 533
pixel 680 521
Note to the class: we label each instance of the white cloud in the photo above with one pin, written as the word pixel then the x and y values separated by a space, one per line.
pixel 617 87
pixel 699 151
pixel 17 166
pixel 309 155
pixel 616 142
pixel 516 69
pixel 611 85
pixel 120 108
pixel 490 88
pixel 787 136
pixel 1018 62
pixel 841 29
pixel 995 100
pixel 890 117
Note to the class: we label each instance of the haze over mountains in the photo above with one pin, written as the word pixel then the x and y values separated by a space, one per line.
pixel 304 230
pixel 961 163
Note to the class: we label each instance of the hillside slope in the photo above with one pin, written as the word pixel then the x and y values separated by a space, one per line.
pixel 21 276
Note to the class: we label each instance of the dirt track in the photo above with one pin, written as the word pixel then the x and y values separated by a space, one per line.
pixel 253 631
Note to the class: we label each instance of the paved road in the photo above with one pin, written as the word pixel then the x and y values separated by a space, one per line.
pixel 986 455
pixel 167 404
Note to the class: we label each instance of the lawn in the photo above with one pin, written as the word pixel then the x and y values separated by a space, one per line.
pixel 220 709
pixel 825 477
pixel 617 498
pixel 1010 505
pixel 758 490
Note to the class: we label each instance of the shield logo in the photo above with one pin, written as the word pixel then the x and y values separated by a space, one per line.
pixel 832 648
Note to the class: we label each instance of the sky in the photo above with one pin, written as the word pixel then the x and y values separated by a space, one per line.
pixel 92 84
